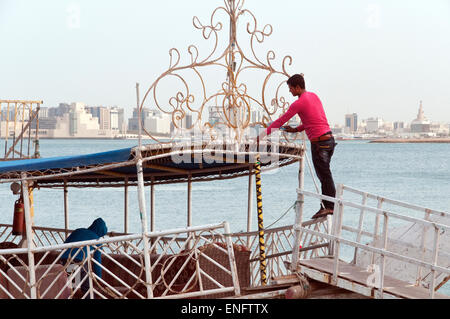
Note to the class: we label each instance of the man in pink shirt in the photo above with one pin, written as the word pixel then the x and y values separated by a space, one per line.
pixel 314 122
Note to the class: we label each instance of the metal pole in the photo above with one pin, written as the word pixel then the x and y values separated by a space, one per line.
pixel 66 208
pixel 29 129
pixel 435 258
pixel 7 130
pixel 90 272
pixel 189 202
pixel 337 225
pixel 250 202
pixel 383 259
pixel 152 205
pixel 360 226
pixel 139 117
pixel 377 223
pixel 142 209
pixel 125 207
pixel 29 234
pixel 232 259
pixel 298 213
pixel 143 215
pixel 262 245
pixel 36 141
pixel 422 248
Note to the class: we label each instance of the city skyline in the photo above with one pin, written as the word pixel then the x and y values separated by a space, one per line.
pixel 368 57
pixel 104 112
pixel 78 120
pixel 340 122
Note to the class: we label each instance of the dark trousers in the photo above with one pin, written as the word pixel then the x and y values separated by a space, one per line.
pixel 321 156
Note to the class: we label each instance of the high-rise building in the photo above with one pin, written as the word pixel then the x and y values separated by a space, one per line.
pixel 114 118
pixel 154 121
pixel 399 126
pixel 373 124
pixel 351 122
pixel 122 121
pixel 103 115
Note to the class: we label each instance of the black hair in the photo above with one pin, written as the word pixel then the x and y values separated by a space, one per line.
pixel 297 79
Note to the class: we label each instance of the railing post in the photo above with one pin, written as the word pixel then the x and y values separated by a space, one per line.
pixel 189 201
pixel 143 214
pixel 377 224
pixel 125 207
pixel 383 259
pixel 422 248
pixel 250 201
pixel 337 228
pixel 435 257
pixel 29 234
pixel 298 214
pixel 66 208
pixel 152 204
pixel 360 225
pixel 141 198
pixel 232 259
pixel 90 271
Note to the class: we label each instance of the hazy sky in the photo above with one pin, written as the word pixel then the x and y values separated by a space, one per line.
pixel 375 58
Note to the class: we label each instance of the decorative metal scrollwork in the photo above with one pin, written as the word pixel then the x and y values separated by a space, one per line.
pixel 229 99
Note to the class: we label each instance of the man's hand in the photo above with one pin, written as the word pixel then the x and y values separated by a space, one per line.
pixel 289 129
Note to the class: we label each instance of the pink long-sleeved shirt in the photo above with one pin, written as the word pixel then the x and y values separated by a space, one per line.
pixel 309 107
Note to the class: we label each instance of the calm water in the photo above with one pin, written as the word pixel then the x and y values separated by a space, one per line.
pixel 415 173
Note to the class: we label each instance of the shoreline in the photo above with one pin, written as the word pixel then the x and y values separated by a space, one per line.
pixel 412 140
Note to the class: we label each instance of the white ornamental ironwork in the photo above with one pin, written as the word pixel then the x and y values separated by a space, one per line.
pixel 230 99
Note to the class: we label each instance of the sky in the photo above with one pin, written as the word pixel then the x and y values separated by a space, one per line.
pixel 374 58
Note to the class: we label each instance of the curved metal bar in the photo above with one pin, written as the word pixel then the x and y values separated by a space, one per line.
pixel 231 96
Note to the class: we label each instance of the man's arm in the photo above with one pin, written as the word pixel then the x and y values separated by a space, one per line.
pixel 291 129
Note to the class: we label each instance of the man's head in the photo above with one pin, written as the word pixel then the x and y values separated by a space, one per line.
pixel 296 84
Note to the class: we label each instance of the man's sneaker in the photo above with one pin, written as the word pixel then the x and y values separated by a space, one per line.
pixel 323 212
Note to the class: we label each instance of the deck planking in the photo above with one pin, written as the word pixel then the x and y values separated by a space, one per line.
pixel 360 275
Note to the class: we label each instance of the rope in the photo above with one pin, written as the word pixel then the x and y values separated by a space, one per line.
pixel 284 214
pixel 310 168
pixel 262 245
pixel 303 282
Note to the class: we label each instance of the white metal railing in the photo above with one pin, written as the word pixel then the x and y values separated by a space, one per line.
pixel 408 235
pixel 278 247
pixel 183 263
pixel 278 244
pixel 336 238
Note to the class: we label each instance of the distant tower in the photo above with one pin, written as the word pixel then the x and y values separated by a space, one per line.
pixel 420 114
pixel 420 124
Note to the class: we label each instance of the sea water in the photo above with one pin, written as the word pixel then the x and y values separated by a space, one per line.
pixel 417 173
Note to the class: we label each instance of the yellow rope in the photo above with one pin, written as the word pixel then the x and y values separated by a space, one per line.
pixel 262 245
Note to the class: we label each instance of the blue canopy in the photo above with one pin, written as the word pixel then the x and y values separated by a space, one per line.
pixel 38 164
pixel 69 170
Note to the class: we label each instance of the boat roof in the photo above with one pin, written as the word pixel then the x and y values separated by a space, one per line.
pixel 162 163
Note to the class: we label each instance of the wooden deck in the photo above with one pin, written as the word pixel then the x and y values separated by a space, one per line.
pixel 354 278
